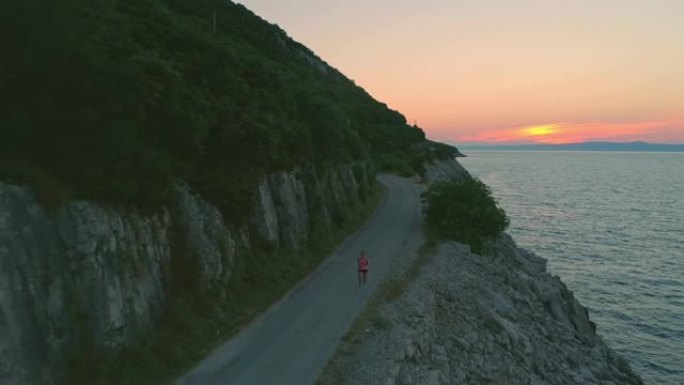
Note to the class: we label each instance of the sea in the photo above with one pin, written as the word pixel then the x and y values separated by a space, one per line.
pixel 611 225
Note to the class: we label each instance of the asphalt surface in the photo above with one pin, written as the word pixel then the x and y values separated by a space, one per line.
pixel 293 340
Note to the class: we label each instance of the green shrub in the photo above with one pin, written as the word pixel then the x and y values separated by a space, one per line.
pixel 463 210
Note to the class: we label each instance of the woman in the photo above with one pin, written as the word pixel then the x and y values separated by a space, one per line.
pixel 363 268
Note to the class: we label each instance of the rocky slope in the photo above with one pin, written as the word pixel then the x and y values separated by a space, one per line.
pixel 499 318
pixel 486 319
pixel 443 170
pixel 87 275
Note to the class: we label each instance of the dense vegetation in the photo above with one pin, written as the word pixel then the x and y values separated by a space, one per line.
pixel 111 99
pixel 464 210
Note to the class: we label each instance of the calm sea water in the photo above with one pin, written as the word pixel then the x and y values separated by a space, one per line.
pixel 612 227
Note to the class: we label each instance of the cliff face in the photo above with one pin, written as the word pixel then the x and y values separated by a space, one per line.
pixel 81 274
pixel 481 319
pixel 89 275
pixel 443 170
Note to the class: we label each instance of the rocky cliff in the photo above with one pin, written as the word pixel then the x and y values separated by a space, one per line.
pixel 443 170
pixel 499 318
pixel 90 275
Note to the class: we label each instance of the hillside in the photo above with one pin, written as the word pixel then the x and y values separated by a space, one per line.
pixel 164 178
pixel 111 100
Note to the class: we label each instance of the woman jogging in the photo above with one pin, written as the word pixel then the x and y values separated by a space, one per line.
pixel 363 268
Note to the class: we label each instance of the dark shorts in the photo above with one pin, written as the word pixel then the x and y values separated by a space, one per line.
pixel 363 271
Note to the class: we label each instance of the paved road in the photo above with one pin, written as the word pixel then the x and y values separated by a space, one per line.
pixel 292 342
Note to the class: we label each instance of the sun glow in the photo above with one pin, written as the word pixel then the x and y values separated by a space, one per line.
pixel 570 132
pixel 543 130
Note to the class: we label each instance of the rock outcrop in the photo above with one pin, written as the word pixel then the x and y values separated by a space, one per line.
pixel 85 274
pixel 205 237
pixel 486 319
pixel 443 170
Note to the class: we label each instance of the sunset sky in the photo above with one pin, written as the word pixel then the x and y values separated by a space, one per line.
pixel 507 71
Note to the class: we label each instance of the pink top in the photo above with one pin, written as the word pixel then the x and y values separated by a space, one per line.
pixel 363 263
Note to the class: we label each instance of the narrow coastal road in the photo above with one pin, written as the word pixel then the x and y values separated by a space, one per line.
pixel 292 342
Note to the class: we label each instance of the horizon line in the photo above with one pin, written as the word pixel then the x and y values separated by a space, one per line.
pixel 563 144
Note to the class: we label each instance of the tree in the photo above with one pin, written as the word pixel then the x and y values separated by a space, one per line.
pixel 464 210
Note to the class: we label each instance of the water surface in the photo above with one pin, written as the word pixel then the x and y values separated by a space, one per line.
pixel 612 227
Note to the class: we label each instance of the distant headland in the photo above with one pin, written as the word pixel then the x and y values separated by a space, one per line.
pixel 584 146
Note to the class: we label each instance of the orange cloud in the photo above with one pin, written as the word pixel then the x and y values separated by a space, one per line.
pixel 557 133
